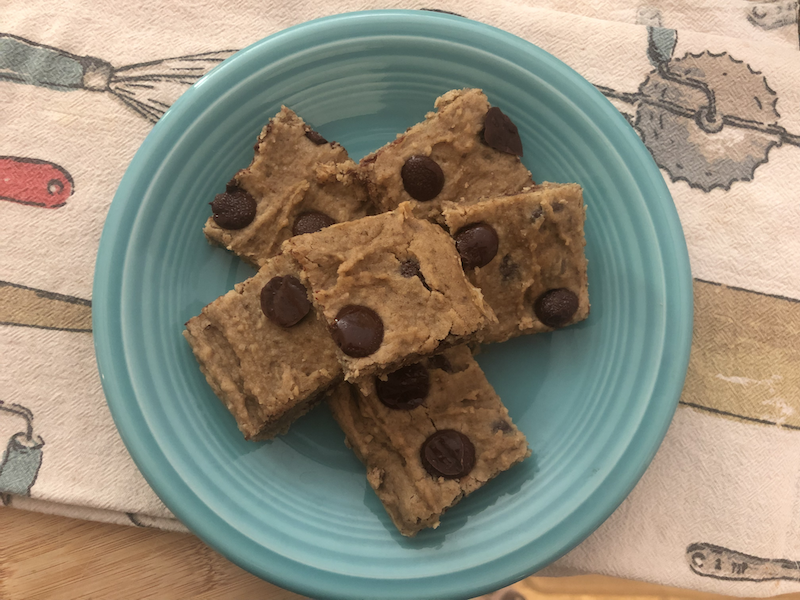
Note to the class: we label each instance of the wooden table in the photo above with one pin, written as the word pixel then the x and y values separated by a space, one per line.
pixel 44 557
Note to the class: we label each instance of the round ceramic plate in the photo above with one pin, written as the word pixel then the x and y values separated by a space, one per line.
pixel 594 399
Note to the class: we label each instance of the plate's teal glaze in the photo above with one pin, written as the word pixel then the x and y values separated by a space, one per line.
pixel 595 400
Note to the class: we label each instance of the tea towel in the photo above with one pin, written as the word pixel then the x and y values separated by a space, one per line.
pixel 719 508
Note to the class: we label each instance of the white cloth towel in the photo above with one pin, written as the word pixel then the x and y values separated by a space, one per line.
pixel 718 510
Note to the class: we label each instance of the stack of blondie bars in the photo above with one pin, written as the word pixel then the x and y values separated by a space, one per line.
pixel 374 282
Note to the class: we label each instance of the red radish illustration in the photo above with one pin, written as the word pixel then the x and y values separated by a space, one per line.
pixel 34 182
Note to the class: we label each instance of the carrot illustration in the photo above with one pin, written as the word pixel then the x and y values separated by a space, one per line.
pixel 34 182
pixel 149 88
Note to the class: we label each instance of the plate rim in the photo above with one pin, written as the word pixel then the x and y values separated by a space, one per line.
pixel 304 578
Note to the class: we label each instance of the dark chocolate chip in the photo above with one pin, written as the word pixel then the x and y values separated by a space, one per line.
pixel 501 425
pixel 410 268
pixel 422 178
pixel 477 245
pixel 315 137
pixel 448 453
pixel 234 209
pixel 311 222
pixel 440 361
pixel 284 300
pixel 500 133
pixel 537 212
pixel 405 388
pixel 556 307
pixel 508 268
pixel 558 207
pixel 358 330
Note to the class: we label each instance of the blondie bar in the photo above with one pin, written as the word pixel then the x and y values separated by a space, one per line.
pixel 263 350
pixel 297 183
pixel 464 150
pixel 526 254
pixel 391 289
pixel 429 434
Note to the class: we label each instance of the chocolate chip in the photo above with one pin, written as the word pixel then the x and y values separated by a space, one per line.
pixel 358 330
pixel 405 388
pixel 315 137
pixel 508 268
pixel 501 425
pixel 284 301
pixel 477 245
pixel 422 178
pixel 311 222
pixel 440 361
pixel 410 268
pixel 233 209
pixel 500 133
pixel 448 453
pixel 537 212
pixel 556 307
pixel 558 207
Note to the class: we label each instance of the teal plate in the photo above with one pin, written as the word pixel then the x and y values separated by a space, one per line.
pixel 594 400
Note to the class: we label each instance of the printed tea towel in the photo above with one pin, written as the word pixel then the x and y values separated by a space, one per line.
pixel 713 90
